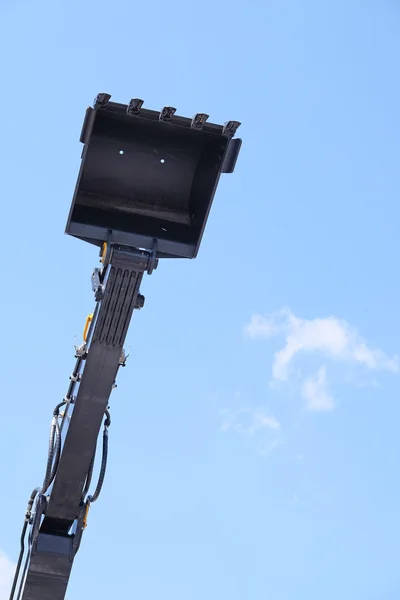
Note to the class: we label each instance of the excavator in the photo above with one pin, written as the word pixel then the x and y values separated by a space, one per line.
pixel 144 191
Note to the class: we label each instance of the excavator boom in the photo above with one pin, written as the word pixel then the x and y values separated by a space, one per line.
pixel 144 192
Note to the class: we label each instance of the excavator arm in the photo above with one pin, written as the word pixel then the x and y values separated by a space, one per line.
pixel 144 191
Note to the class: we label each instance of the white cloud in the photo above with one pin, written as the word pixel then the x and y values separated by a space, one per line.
pixel 261 327
pixel 7 569
pixel 316 393
pixel 262 421
pixel 255 424
pixel 265 449
pixel 330 336
pixel 248 420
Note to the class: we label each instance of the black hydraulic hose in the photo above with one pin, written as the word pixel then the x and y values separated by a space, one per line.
pixel 57 452
pixel 21 555
pixel 104 457
pixel 22 540
pixel 54 448
pixel 50 455
pixel 21 583
pixel 102 468
pixel 54 452
pixel 89 476
pixel 56 411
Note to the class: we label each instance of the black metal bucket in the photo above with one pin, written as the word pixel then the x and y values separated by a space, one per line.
pixel 148 176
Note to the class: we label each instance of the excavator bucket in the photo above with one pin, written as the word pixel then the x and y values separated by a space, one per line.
pixel 148 178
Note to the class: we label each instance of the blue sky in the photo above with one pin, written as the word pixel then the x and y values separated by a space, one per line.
pixel 254 444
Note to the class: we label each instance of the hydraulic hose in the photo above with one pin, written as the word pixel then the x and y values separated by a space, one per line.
pixel 50 455
pixel 103 467
pixel 104 457
pixel 28 514
pixel 89 476
pixel 57 452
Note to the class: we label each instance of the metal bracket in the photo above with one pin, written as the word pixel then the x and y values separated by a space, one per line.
pixel 139 301
pixel 106 250
pixel 144 260
pixel 80 527
pixel 97 286
pixel 80 351
pixel 123 358
pixel 153 260
pixel 231 156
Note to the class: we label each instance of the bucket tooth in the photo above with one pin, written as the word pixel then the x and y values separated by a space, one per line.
pixel 198 120
pixel 230 128
pixel 102 100
pixel 167 113
pixel 134 106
